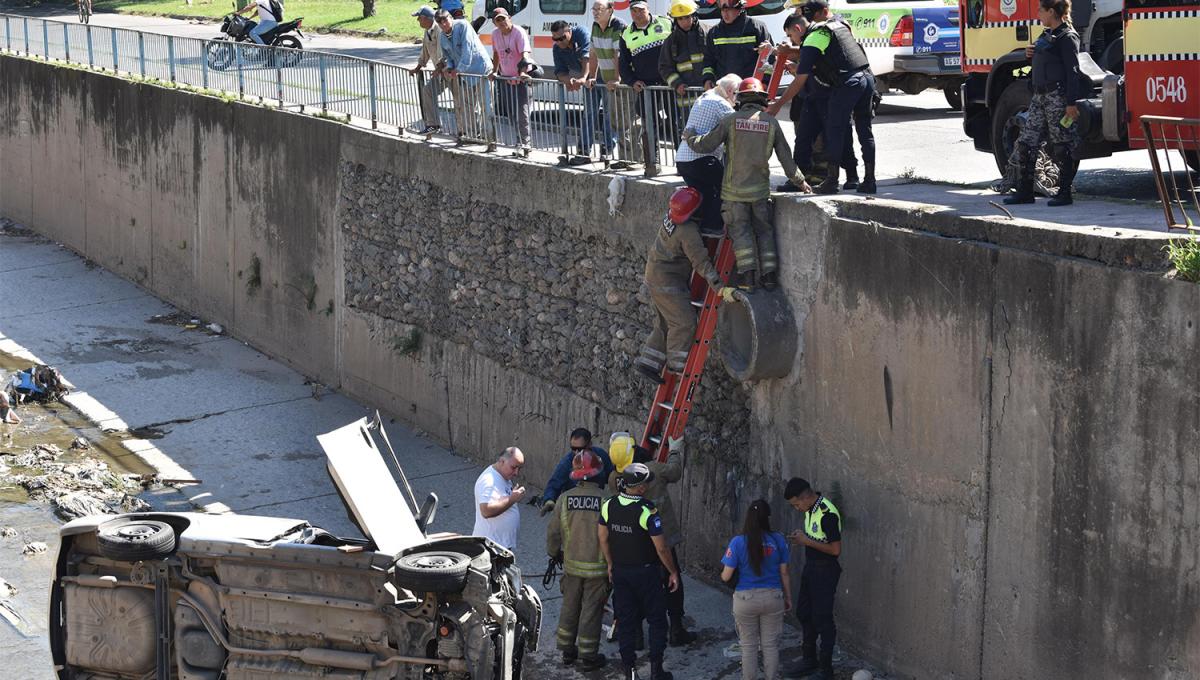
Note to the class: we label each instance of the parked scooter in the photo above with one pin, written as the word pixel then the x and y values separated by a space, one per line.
pixel 236 28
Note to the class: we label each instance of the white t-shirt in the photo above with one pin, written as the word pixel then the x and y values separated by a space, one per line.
pixel 502 528
pixel 264 10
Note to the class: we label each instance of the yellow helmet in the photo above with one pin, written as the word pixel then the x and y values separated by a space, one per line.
pixel 682 8
pixel 620 450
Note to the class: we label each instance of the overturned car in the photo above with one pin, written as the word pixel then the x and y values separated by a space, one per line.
pixel 239 597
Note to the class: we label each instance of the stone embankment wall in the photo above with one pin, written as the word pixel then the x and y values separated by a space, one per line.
pixel 1007 413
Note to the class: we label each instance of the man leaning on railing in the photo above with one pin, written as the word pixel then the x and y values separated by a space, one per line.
pixel 467 61
pixel 431 55
pixel 512 57
pixel 572 67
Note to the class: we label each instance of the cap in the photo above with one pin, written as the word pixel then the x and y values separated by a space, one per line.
pixel 635 474
pixel 811 7
pixel 639 3
pixel 499 12
pixel 424 11
pixel 587 465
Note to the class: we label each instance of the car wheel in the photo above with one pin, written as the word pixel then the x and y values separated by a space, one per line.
pixel 433 572
pixel 1007 122
pixel 135 540
pixel 953 97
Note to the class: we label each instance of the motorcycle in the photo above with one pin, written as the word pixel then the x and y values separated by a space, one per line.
pixel 221 52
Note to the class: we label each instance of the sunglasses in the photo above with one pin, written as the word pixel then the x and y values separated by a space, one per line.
pixel 559 38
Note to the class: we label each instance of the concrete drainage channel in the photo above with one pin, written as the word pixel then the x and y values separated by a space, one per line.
pixel 758 336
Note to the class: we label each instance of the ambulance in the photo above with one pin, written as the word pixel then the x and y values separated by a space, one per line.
pixel 1138 57
pixel 911 44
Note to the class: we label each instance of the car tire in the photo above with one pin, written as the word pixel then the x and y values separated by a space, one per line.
pixel 433 572
pixel 1005 130
pixel 953 97
pixel 135 540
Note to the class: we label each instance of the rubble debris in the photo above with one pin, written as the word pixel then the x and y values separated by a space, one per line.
pixel 76 487
pixel 7 589
pixel 8 532
pixel 34 548
pixel 215 328
pixel 81 443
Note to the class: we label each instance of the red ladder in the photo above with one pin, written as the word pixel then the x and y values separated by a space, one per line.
pixel 673 399
pixel 783 59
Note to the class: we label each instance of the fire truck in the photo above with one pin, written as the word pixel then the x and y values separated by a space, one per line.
pixel 1138 57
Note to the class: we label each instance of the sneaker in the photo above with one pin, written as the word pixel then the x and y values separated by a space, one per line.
pixel 430 129
pixel 578 160
pixel 624 165
pixel 491 148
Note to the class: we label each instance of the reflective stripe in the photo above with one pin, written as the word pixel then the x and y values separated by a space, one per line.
pixel 812 519
pixel 585 569
pixel 740 40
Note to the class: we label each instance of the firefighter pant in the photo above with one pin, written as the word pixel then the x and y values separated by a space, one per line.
pixel 582 613
pixel 752 228
pixel 814 607
pixel 854 98
pixel 638 594
pixel 674 330
pixel 705 175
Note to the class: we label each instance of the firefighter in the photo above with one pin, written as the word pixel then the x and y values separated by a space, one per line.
pixel 1053 110
pixel 681 61
pixel 631 536
pixel 571 535
pixel 750 135
pixel 733 44
pixel 677 251
pixel 831 52
pixel 665 473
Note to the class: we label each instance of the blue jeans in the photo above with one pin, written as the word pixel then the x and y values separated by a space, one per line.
pixel 598 106
pixel 262 27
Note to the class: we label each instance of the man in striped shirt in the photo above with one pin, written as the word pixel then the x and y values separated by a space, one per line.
pixel 704 172
pixel 606 38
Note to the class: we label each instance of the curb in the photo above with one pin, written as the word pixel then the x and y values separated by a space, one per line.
pixel 318 30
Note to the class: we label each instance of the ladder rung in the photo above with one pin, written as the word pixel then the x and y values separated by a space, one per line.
pixel 667 405
pixel 697 303
pixel 657 439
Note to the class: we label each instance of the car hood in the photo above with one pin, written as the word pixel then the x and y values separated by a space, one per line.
pixel 368 489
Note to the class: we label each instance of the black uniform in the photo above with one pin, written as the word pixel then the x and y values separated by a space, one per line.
pixel 818 584
pixel 637 588
pixel 1056 85
pixel 733 47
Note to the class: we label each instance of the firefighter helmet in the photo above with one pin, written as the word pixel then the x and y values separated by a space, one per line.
pixel 751 86
pixel 586 465
pixel 684 203
pixel 739 4
pixel 682 8
pixel 620 450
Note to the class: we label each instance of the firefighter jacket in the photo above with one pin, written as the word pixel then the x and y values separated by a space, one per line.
pixel 573 531
pixel 682 57
pixel 639 51
pixel 733 48
pixel 656 492
pixel 677 251
pixel 750 135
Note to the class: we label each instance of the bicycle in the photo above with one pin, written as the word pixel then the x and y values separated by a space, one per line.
pixel 85 10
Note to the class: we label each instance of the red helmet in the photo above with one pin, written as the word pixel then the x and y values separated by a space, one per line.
pixel 586 465
pixel 751 85
pixel 684 203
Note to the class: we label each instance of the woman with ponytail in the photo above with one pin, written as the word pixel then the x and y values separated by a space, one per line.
pixel 1053 111
pixel 759 557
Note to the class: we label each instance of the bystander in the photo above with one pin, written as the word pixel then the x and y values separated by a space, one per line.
pixel 466 61
pixel 497 515
pixel 431 56
pixel 511 60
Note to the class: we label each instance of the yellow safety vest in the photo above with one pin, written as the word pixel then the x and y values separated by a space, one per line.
pixel 812 519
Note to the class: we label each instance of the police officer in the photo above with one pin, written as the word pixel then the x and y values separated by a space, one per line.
pixel 572 534
pixel 733 44
pixel 750 135
pixel 1053 110
pixel 640 47
pixel 631 536
pixel 830 50
pixel 821 537
pixel 677 251
pixel 665 473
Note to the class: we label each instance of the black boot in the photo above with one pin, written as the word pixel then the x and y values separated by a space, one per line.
pixel 657 672
pixel 868 184
pixel 1067 166
pixel 851 182
pixel 830 185
pixel 569 656
pixel 808 665
pixel 591 662
pixel 639 643
pixel 651 374
pixel 826 672
pixel 1025 170
pixel 769 280
pixel 678 636
pixel 747 280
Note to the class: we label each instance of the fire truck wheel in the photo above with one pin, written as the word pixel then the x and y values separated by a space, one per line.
pixel 1006 128
pixel 953 97
pixel 1193 160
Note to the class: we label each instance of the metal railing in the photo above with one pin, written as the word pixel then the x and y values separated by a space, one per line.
pixel 1182 135
pixel 581 127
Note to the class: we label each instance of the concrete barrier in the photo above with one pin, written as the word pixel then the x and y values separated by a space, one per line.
pixel 1005 412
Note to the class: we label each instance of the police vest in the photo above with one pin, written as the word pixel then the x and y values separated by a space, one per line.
pixel 639 40
pixel 843 57
pixel 813 518
pixel 629 539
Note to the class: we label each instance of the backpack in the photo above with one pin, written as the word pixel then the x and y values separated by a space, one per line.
pixel 276 10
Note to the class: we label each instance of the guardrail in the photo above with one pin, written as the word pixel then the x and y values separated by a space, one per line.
pixel 1163 135
pixel 583 126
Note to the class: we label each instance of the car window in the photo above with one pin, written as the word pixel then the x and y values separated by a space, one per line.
pixel 563 6
pixel 513 6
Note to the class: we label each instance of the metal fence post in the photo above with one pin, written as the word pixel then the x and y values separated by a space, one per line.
pixel 374 103
pixel 562 119
pixel 116 62
pixel 324 88
pixel 46 39
pixel 241 77
pixel 279 81
pixel 204 48
pixel 650 126
pixel 171 57
pixel 7 35
pixel 88 31
pixel 25 30
pixel 142 53
pixel 66 44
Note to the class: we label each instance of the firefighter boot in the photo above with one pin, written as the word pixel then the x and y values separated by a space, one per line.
pixel 1067 166
pixel 867 186
pixel 648 372
pixel 769 280
pixel 657 672
pixel 591 662
pixel 830 185
pixel 747 280
pixel 1025 172
pixel 678 635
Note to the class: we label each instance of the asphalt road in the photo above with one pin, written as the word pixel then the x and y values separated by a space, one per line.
pixel 918 136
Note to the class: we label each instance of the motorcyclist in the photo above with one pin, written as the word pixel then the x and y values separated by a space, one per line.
pixel 270 14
